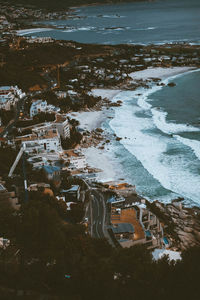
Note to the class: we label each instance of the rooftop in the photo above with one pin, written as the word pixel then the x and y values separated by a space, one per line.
pixel 32 137
pixel 60 118
pixel 5 88
pixel 51 169
pixel 123 228
pixel 129 216
pixel 74 188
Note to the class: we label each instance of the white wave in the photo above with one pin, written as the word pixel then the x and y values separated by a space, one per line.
pixel 144 97
pixel 144 29
pixel 159 119
pixel 193 144
pixel 172 171
pixel 112 16
pixel 70 30
pixel 143 103
pixel 32 30
pixel 87 28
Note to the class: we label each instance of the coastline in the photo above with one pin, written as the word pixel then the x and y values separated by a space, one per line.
pixel 23 32
pixel 105 159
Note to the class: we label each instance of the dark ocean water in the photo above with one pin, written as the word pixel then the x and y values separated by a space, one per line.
pixel 143 22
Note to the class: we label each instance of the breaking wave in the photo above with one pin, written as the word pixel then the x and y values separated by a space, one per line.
pixel 159 119
pixel 172 171
pixel 193 144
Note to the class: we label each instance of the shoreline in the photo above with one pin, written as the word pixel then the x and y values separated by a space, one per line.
pixel 100 158
pixel 22 32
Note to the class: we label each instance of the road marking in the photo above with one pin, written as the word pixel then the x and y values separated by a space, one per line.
pixel 97 230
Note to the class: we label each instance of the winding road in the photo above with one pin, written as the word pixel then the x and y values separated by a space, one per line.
pixel 97 214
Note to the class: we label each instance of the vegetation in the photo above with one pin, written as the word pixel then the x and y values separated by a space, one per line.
pixel 170 226
pixel 7 157
pixel 61 4
pixel 59 258
pixel 6 116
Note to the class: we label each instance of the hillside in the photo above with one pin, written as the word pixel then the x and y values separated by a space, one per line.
pixel 62 4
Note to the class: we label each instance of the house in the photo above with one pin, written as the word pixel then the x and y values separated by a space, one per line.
pixel 123 231
pixel 6 97
pixel 62 125
pixel 52 172
pixel 73 194
pixel 76 159
pixel 37 161
pixel 9 95
pixel 37 186
pixel 61 94
pixel 45 140
pixel 39 106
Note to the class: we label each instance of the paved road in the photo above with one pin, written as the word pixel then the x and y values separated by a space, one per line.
pixel 98 211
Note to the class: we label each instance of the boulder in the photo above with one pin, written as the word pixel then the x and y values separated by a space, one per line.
pixel 171 84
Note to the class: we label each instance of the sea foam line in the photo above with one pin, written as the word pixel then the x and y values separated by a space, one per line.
pixel 193 144
pixel 173 172
pixel 159 117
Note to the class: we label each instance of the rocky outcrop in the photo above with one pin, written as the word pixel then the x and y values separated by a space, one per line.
pixel 186 223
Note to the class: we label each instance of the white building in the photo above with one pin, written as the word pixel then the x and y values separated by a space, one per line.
pixel 76 159
pixel 42 106
pixel 9 95
pixel 41 141
pixel 62 125
pixel 61 94
pixel 37 161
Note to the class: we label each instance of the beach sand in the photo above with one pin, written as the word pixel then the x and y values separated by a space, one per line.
pixel 31 30
pixel 90 120
pixel 159 72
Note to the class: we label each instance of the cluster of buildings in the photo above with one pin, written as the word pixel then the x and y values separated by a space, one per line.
pixel 114 69
pixel 10 14
pixel 131 221
pixel 39 106
pixel 9 95
pixel 44 150
pixel 136 224
pixel 39 40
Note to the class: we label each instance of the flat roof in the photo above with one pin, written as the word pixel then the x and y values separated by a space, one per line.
pixel 60 118
pixel 5 87
pixel 123 228
pixel 51 169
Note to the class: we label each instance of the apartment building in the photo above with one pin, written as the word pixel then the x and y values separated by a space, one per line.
pixel 62 125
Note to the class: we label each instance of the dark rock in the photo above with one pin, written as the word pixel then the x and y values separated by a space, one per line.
pixel 171 84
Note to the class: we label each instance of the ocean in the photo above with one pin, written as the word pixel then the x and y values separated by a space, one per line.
pixel 160 129
pixel 155 22
pixel 160 147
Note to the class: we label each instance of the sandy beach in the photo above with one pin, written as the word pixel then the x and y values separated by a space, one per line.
pixel 90 120
pixel 159 72
pixel 31 30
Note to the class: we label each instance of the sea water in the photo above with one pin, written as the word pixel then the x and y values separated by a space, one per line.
pixel 145 22
pixel 160 147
